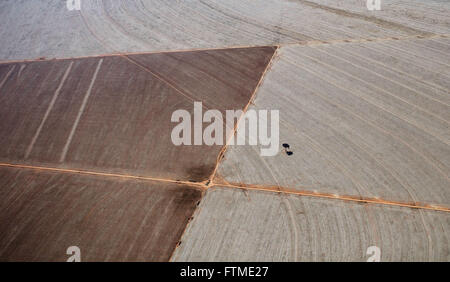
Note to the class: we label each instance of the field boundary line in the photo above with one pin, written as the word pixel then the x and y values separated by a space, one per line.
pixel 363 200
pixel 306 43
pixel 203 186
pixel 103 174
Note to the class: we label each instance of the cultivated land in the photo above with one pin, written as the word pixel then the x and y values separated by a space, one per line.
pixel 85 152
pixel 258 225
pixel 48 29
pixel 108 218
pixel 113 114
pixel 357 125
